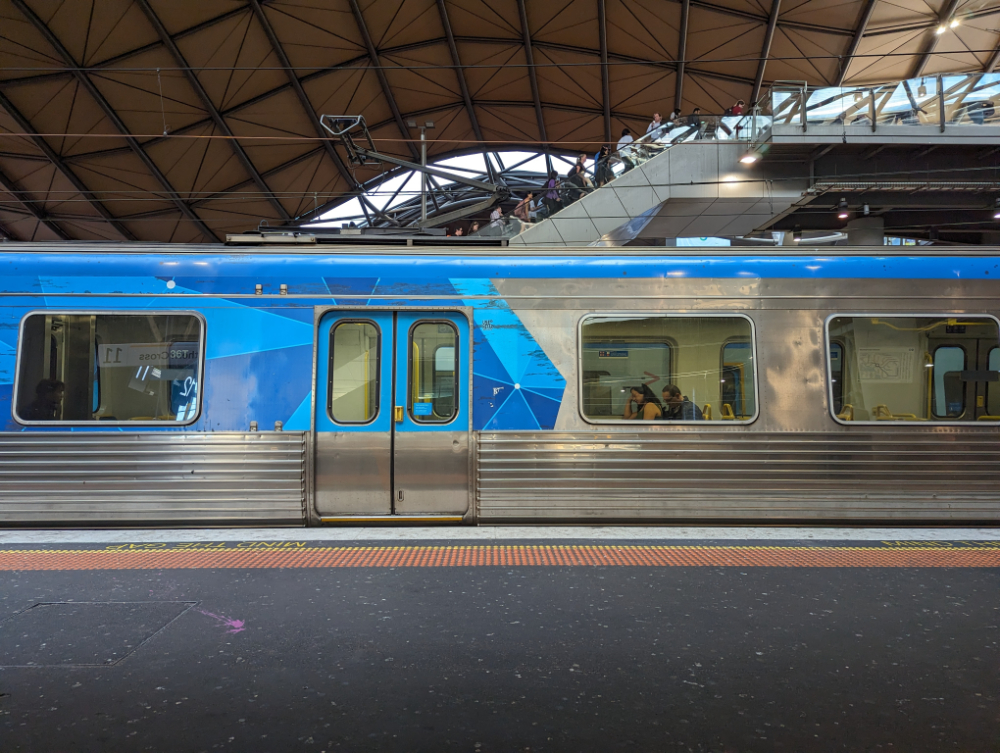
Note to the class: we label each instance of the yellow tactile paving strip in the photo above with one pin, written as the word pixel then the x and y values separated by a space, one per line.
pixel 229 556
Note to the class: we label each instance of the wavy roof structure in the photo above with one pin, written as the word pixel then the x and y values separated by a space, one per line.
pixel 173 120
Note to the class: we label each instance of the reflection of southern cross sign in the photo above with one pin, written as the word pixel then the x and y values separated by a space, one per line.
pixel 653 380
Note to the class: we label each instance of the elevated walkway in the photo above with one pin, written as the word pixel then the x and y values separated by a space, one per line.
pixel 934 110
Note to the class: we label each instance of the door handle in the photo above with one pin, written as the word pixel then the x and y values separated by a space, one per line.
pixel 398 414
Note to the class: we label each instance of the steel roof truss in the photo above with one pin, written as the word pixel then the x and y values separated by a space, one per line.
pixel 114 118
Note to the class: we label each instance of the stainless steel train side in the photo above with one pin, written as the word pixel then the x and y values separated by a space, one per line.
pixel 793 460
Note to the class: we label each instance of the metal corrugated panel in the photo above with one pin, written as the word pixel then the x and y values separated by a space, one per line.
pixel 98 478
pixel 892 474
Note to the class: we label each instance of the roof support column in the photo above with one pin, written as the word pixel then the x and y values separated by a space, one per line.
pixel 303 98
pixel 11 186
pixel 111 115
pixel 992 62
pixel 946 14
pixel 602 22
pixel 62 167
pixel 682 54
pixel 386 89
pixel 772 24
pixel 210 107
pixel 859 33
pixel 532 78
pixel 459 72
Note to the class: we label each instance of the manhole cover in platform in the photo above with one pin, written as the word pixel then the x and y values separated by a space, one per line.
pixel 83 634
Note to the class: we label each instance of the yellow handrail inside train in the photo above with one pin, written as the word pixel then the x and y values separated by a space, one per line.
pixel 416 372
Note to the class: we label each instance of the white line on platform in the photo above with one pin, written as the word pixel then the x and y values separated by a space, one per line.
pixel 494 533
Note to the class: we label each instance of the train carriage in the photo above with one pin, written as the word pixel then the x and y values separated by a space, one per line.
pixel 310 384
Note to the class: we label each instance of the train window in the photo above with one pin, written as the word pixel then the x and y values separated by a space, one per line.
pixel 709 358
pixel 907 368
pixel 74 368
pixel 949 389
pixel 354 372
pixel 993 388
pixel 433 372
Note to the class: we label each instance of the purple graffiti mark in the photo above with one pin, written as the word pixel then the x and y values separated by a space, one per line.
pixel 235 626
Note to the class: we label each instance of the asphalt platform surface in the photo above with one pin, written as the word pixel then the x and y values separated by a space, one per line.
pixel 500 640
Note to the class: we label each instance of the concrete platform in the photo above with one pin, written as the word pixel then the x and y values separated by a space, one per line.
pixel 500 639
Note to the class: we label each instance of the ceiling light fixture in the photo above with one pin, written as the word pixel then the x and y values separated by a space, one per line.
pixel 842 210
pixel 996 210
pixel 797 235
pixel 941 29
pixel 953 24
pixel 749 158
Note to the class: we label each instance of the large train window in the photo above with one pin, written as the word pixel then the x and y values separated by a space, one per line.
pixel 75 368
pixel 354 372
pixel 709 358
pixel 910 368
pixel 433 372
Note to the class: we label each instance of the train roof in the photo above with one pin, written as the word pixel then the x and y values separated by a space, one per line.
pixel 455 247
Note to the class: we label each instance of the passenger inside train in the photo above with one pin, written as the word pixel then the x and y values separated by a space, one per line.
pixel 643 405
pixel 47 404
pixel 678 407
pixel 711 355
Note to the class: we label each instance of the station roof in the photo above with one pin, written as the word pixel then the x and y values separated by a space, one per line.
pixel 183 121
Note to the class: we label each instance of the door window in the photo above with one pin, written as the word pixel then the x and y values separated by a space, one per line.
pixel 737 380
pixel 949 389
pixel 354 372
pixel 433 372
pixel 993 388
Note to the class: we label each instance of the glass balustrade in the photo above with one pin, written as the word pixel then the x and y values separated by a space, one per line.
pixel 942 101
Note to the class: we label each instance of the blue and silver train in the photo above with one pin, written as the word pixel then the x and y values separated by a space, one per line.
pixel 303 383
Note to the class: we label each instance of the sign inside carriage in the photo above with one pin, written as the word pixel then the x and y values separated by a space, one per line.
pixel 178 355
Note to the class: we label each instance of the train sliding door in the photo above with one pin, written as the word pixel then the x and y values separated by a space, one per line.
pixel 392 416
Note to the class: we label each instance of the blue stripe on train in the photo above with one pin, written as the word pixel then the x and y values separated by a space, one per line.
pixel 429 275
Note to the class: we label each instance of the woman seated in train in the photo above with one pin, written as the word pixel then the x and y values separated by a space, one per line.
pixel 677 407
pixel 647 405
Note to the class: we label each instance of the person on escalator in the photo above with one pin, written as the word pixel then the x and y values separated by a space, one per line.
pixel 521 211
pixel 625 150
pixel 553 201
pixel 602 160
